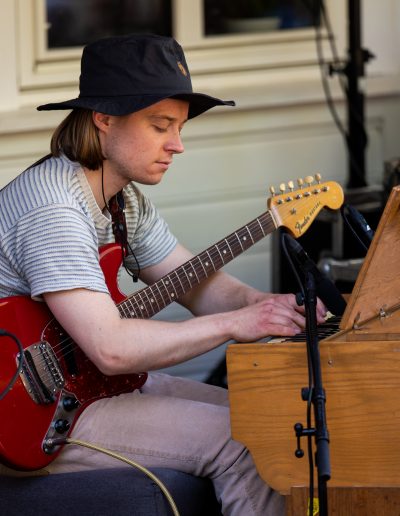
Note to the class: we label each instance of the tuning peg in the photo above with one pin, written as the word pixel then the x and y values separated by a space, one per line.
pixel 318 177
pixel 291 185
pixel 282 187
pixel 300 182
pixel 309 180
pixel 272 190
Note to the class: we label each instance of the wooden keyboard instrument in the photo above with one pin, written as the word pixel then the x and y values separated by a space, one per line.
pixel 361 376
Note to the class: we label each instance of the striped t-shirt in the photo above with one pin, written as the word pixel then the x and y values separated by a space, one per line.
pixel 51 228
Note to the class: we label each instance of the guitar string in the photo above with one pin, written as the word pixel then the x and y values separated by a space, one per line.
pixel 182 276
pixel 231 242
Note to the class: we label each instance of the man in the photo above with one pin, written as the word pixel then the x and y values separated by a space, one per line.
pixel 124 128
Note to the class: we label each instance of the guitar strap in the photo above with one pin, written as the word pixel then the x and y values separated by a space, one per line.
pixel 116 207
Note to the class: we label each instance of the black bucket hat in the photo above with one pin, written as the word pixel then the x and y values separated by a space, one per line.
pixel 123 74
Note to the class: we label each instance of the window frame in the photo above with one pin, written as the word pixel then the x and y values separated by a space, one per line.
pixel 43 68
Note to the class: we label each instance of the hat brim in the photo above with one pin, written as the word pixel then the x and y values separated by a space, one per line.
pixel 119 106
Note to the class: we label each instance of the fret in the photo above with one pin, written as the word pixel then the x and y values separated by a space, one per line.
pixel 240 241
pixel 142 305
pixel 262 229
pixel 131 308
pixel 245 241
pixel 229 247
pixel 211 260
pixel 202 266
pixel 251 236
pixel 194 270
pixel 222 258
pixel 167 298
pixel 166 283
pixel 187 276
pixel 259 230
pixel 215 257
pixel 156 284
pixel 235 245
pixel 269 222
pixel 123 310
pixel 206 263
pixel 152 299
pixel 157 295
pixel 183 290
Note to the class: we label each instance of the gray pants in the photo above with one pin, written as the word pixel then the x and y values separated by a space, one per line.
pixel 174 423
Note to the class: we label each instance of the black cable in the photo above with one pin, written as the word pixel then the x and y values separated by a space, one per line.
pixel 326 86
pixel 343 209
pixel 134 276
pixel 4 333
pixel 122 233
pixel 322 64
pixel 337 62
pixel 328 95
pixel 291 263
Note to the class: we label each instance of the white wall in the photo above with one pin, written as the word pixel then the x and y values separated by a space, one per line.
pixel 280 130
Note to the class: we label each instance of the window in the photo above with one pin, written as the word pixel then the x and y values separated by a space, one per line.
pixel 251 16
pixel 73 23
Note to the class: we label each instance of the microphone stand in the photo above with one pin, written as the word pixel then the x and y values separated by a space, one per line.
pixel 317 396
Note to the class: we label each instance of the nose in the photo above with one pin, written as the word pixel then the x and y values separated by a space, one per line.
pixel 175 144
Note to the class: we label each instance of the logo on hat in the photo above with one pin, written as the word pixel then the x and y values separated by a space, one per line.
pixel 182 68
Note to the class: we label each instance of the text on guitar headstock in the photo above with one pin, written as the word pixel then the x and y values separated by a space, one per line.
pixel 297 209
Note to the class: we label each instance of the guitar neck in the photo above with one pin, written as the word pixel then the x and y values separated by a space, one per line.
pixel 150 300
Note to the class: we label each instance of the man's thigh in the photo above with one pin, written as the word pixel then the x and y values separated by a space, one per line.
pixel 160 426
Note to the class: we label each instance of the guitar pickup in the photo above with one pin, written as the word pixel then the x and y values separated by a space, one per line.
pixel 41 374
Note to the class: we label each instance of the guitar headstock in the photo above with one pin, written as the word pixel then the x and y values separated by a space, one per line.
pixel 297 209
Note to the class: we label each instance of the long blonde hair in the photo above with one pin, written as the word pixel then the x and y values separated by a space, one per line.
pixel 77 137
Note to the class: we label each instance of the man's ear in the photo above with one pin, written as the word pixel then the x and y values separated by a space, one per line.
pixel 101 120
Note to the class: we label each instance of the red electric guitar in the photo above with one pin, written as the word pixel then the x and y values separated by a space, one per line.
pixel 58 381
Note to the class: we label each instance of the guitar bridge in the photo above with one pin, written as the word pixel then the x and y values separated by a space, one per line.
pixel 41 374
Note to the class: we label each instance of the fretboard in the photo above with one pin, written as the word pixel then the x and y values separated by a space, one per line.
pixel 150 300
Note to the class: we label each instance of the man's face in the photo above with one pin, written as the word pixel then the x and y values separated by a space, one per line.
pixel 140 146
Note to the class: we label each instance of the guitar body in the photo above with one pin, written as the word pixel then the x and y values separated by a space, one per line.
pixel 25 423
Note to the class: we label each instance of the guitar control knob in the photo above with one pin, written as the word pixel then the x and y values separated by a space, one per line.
pixel 61 426
pixel 70 403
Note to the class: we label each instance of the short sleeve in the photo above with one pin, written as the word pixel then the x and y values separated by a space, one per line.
pixel 56 248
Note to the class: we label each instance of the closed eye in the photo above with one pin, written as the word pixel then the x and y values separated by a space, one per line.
pixel 160 129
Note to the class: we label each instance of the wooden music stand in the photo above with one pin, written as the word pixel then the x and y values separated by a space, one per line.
pixel 361 376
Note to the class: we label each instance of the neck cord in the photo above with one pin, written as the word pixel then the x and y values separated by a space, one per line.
pixel 115 208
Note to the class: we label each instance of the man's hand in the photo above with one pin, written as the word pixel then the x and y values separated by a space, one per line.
pixel 271 314
pixel 289 300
